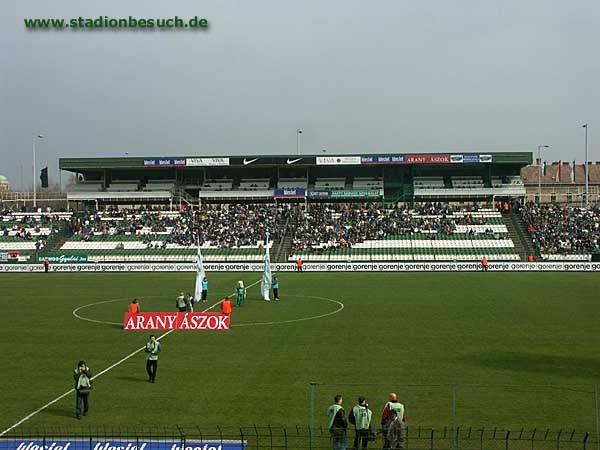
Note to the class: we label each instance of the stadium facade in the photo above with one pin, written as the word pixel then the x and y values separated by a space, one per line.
pixel 390 178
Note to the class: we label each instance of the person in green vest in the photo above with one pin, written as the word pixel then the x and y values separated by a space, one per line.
pixel 337 424
pixel 392 404
pixel 360 417
pixel 153 348
pixel 276 288
pixel 83 386
pixel 189 302
pixel 180 302
pixel 240 292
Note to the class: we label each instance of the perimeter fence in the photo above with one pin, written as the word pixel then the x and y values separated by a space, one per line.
pixel 275 437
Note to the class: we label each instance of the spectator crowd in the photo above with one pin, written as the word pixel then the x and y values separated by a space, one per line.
pixel 223 226
pixel 556 229
pixel 342 225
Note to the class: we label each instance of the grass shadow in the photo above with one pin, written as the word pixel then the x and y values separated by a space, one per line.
pixel 565 366
pixel 61 412
pixel 133 379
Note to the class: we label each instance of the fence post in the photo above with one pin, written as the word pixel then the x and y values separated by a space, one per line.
pixel 455 434
pixel 311 422
pixel 597 418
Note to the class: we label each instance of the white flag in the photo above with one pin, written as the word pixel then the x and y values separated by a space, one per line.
pixel 200 275
pixel 265 284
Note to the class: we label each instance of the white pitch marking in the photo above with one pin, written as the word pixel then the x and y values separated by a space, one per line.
pixel 300 319
pixel 25 419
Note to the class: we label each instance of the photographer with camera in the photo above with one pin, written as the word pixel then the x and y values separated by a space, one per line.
pixel 83 386
pixel 360 417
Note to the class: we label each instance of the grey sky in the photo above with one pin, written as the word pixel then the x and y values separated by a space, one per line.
pixel 356 76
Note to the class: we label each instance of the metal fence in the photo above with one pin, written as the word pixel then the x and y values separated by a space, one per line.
pixel 286 437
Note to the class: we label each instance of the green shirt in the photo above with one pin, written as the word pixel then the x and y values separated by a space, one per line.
pixel 153 349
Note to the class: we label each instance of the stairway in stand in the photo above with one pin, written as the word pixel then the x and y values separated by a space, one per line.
pixel 282 246
pixel 518 233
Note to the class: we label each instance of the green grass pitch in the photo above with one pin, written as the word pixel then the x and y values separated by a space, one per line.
pixel 522 348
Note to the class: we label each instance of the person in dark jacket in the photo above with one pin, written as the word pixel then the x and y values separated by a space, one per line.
pixel 396 433
pixel 83 387
pixel 337 424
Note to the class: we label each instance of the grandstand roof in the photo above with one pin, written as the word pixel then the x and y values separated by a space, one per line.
pixel 78 164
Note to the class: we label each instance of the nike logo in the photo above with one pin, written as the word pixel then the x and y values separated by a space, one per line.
pixel 292 161
pixel 249 161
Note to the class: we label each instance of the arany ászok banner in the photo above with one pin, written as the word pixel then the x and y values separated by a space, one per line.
pixel 176 321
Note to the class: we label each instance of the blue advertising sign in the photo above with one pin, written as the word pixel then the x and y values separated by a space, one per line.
pixel 168 162
pixel 290 192
pixel 139 444
pixel 383 159
pixel 470 158
pixel 476 158
pixel 318 194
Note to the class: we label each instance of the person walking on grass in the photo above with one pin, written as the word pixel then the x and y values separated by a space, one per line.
pixel 189 302
pixel 226 306
pixel 180 302
pixel 153 348
pixel 240 292
pixel 83 387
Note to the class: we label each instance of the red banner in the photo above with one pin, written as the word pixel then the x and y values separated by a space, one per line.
pixel 176 321
pixel 428 159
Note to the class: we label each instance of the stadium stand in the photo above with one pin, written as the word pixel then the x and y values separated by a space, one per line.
pixel 217 185
pixel 428 232
pixel 563 232
pixel 123 186
pixel 292 183
pixel 330 183
pixel 467 182
pixel 428 183
pixel 22 234
pixel 159 185
pixel 507 182
pixel 315 232
pixel 85 186
pixel 254 184
pixel 225 232
pixel 367 183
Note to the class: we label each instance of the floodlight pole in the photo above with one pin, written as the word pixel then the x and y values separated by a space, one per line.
pixel 35 137
pixel 540 172
pixel 298 133
pixel 585 125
